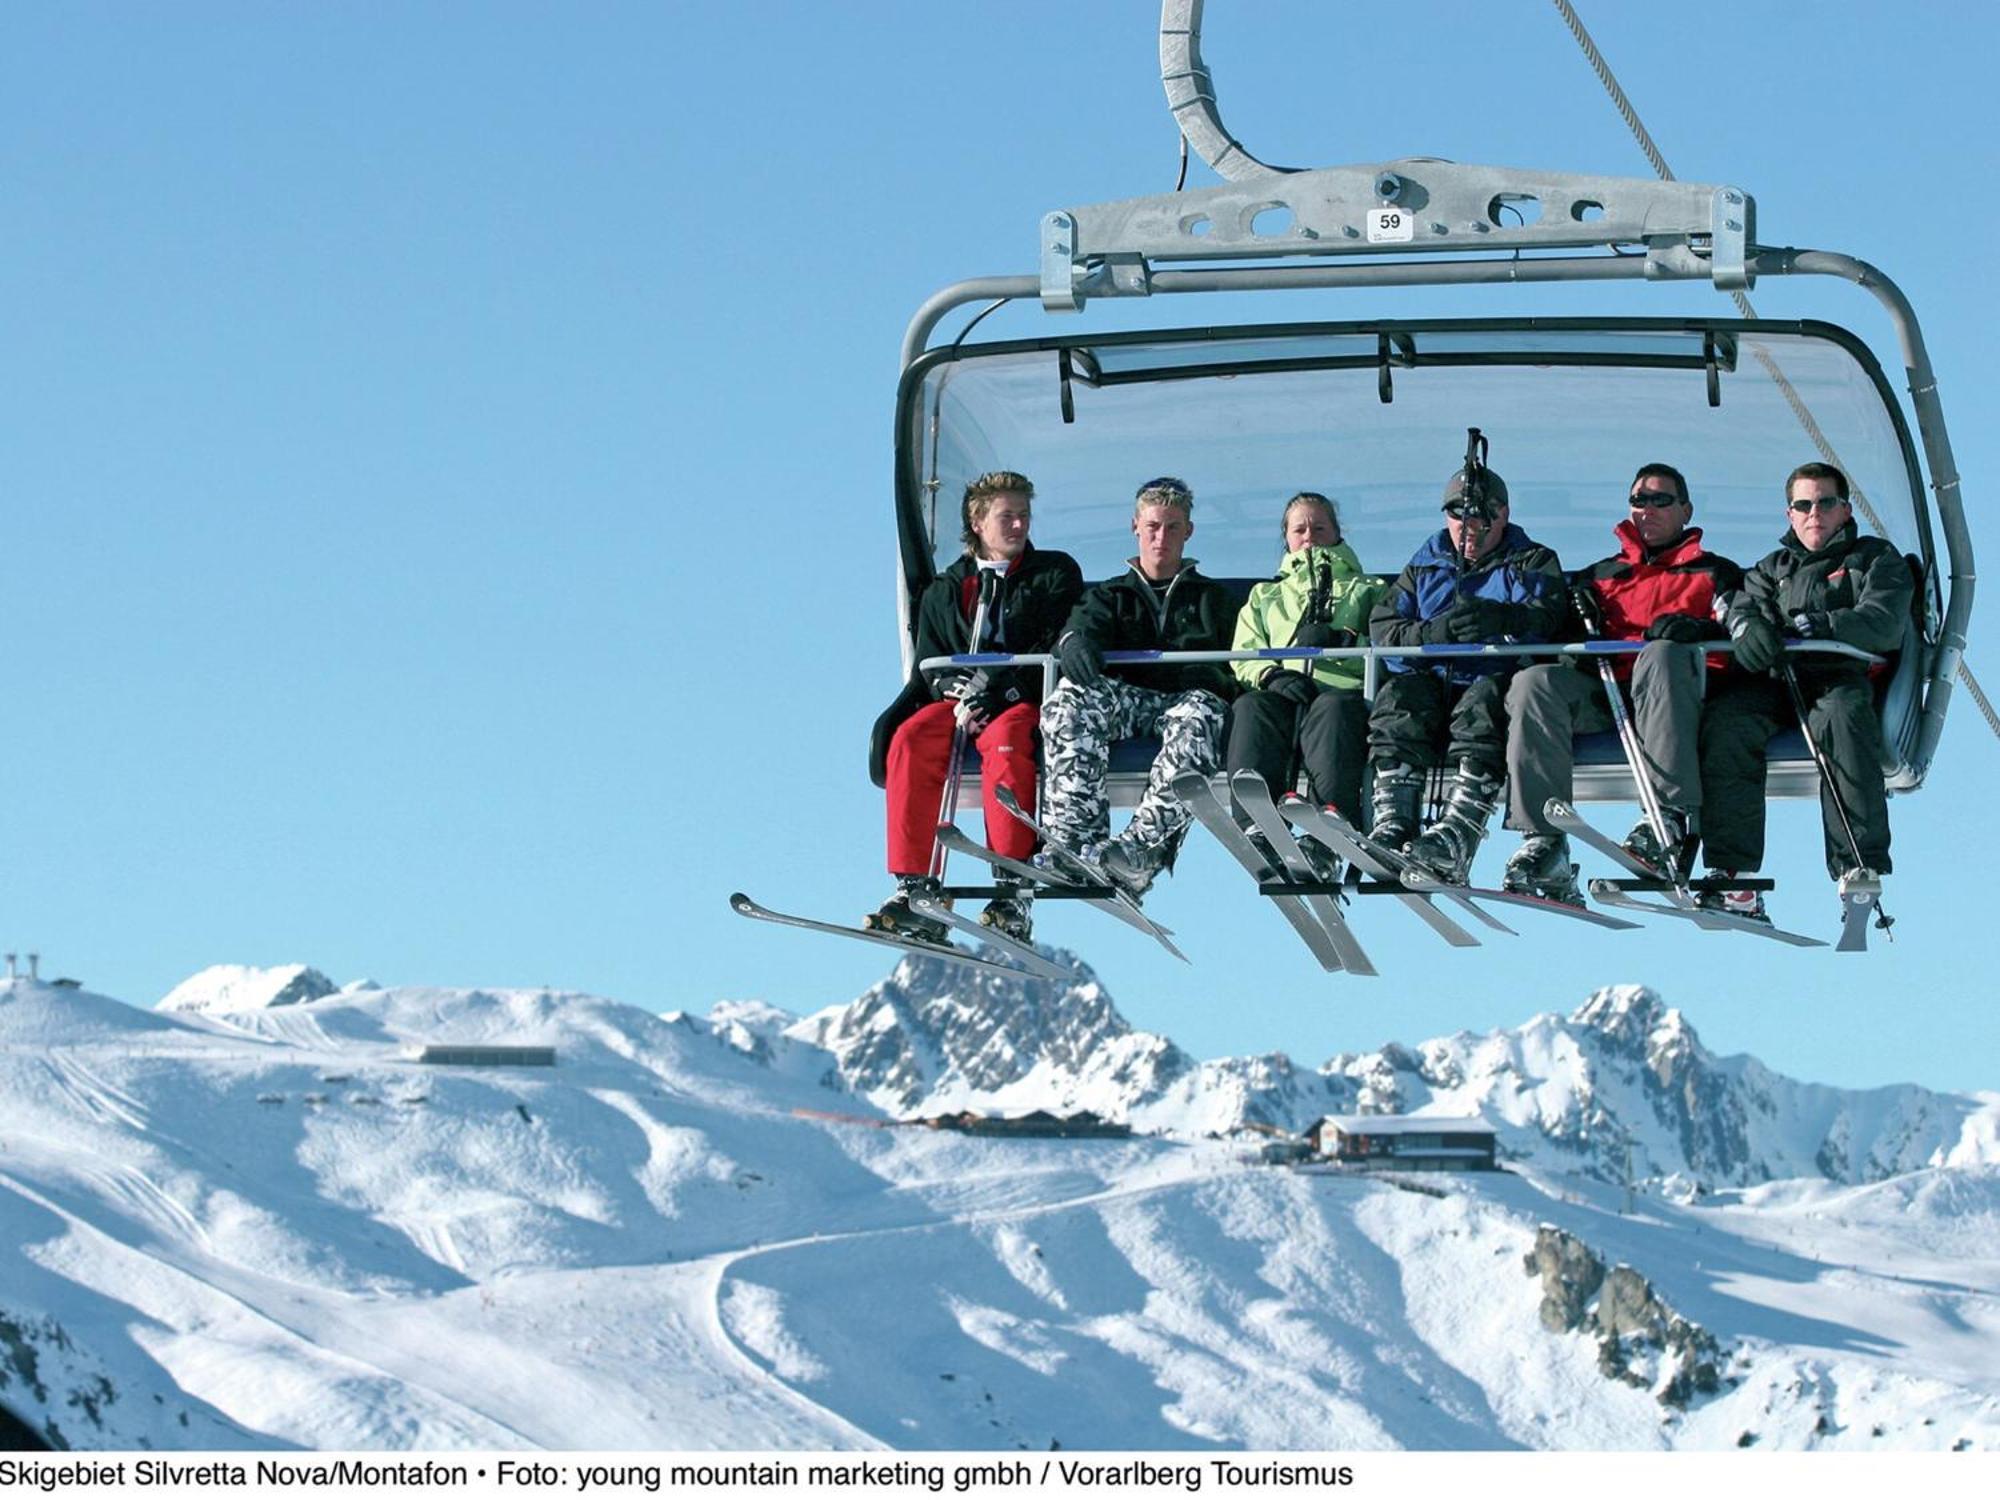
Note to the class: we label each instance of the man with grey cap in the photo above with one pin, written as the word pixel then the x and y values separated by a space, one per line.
pixel 1479 580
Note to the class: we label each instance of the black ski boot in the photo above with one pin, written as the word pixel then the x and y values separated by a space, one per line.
pixel 1011 913
pixel 895 917
pixel 1542 867
pixel 1399 789
pixel 1644 845
pixel 1446 848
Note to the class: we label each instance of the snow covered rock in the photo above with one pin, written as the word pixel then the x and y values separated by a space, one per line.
pixel 222 988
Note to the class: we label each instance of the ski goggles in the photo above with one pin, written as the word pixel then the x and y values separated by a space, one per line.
pixel 1472 510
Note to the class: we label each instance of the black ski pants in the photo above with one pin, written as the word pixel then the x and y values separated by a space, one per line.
pixel 1273 736
pixel 1417 713
pixel 1736 733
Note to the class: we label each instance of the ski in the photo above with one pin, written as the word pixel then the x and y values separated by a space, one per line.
pixel 1193 788
pixel 745 907
pixel 1099 895
pixel 1254 797
pixel 1335 833
pixel 1679 901
pixel 1387 865
pixel 1859 900
pixel 1423 880
pixel 1083 872
pixel 1022 953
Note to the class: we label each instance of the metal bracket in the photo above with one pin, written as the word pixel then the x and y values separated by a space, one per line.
pixel 1414 207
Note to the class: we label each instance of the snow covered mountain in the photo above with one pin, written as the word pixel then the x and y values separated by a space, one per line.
pixel 1623 1073
pixel 247 1219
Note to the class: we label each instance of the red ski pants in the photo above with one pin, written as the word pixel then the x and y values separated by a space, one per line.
pixel 919 756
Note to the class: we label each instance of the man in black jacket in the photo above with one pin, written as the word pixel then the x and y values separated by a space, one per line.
pixel 996 708
pixel 1826 582
pixel 1159 604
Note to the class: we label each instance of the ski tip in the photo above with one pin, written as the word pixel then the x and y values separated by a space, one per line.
pixel 741 902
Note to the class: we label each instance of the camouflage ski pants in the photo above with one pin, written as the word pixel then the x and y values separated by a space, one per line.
pixel 1079 726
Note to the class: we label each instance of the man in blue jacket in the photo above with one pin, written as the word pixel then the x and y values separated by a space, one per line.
pixel 1480 580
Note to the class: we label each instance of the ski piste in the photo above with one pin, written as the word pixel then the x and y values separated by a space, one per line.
pixel 1193 788
pixel 1679 899
pixel 1335 832
pixel 745 907
pixel 1254 797
pixel 1022 953
pixel 1082 872
pixel 1387 865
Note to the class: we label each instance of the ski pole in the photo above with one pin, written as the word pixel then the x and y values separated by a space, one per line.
pixel 989 589
pixel 1588 611
pixel 1791 676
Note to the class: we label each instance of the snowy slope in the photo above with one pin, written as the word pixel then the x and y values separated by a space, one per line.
pixel 249 1222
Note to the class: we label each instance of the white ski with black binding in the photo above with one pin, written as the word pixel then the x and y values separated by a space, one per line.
pixel 745 907
pixel 1254 797
pixel 1387 865
pixel 1679 897
pixel 1194 789
pixel 1338 835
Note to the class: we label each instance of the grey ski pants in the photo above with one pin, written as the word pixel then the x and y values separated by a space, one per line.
pixel 1550 703
pixel 1079 726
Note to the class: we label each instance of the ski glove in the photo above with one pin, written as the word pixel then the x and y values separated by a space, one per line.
pixel 1812 626
pixel 964 686
pixel 1684 630
pixel 1758 644
pixel 1472 620
pixel 1323 636
pixel 1589 610
pixel 1081 662
pixel 1293 687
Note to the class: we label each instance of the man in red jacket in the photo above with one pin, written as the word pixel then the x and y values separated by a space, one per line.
pixel 1661 588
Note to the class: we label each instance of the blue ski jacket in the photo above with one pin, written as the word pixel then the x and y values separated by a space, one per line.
pixel 1520 572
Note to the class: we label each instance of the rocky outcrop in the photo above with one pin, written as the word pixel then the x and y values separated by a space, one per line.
pixel 1640 1340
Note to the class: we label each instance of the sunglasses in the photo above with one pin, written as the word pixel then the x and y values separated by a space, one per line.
pixel 1458 510
pixel 1823 502
pixel 1651 499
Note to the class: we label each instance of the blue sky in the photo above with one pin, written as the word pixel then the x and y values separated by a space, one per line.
pixel 447 467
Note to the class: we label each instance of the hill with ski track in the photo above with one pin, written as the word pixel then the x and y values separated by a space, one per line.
pixel 244 1219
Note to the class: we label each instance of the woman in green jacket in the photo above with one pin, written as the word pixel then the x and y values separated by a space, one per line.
pixel 1306 711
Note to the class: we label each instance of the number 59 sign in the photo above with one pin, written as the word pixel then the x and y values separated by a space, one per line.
pixel 1388 226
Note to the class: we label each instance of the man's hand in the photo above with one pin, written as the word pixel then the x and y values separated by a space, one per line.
pixel 1684 630
pixel 1081 662
pixel 1758 644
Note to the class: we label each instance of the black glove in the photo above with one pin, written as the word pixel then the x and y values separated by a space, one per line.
pixel 1758 644
pixel 978 709
pixel 1683 630
pixel 962 685
pixel 1081 662
pixel 1483 620
pixel 1589 608
pixel 1293 687
pixel 1812 626
pixel 1323 636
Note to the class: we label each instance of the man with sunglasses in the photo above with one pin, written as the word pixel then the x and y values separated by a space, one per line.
pixel 1825 582
pixel 1481 579
pixel 1660 587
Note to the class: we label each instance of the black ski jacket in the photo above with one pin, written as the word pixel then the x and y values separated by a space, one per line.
pixel 1036 597
pixel 1856 589
pixel 1124 614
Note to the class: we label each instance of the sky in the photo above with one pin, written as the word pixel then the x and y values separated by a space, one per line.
pixel 445 456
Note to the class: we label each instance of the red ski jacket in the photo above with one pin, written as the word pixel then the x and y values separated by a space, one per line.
pixel 1682 579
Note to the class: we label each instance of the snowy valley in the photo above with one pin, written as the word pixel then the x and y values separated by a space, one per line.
pixel 246 1218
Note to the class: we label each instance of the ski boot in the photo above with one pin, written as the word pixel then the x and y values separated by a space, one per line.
pixel 1747 904
pixel 1644 845
pixel 1542 867
pixel 1133 871
pixel 1446 848
pixel 1011 913
pixel 896 919
pixel 1394 805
